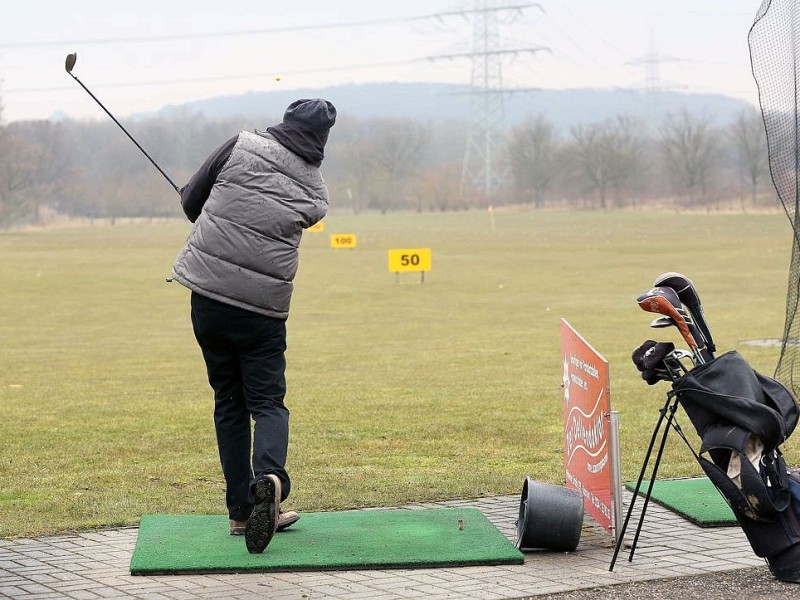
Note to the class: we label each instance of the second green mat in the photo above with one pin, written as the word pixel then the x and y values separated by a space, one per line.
pixel 693 498
pixel 357 539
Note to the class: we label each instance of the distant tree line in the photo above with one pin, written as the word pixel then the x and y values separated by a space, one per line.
pixel 683 162
pixel 90 169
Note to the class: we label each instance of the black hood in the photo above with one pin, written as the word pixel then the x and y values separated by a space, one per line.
pixel 305 128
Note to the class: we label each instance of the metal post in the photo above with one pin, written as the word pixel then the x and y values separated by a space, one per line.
pixel 616 474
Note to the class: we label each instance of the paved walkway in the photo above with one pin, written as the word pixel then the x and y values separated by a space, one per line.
pixel 96 565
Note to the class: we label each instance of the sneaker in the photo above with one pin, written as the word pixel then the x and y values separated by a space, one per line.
pixel 238 527
pixel 286 520
pixel 262 523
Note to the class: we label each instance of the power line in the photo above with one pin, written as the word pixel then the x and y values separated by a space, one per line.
pixel 207 35
pixel 173 37
pixel 161 82
pixel 509 6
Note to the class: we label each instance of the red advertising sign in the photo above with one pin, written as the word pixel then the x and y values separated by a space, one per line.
pixel 587 413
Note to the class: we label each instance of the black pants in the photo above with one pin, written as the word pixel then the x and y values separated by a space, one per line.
pixel 244 356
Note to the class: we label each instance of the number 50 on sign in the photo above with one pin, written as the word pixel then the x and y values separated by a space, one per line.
pixel 410 259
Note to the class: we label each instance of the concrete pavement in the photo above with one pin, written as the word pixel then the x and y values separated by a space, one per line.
pixel 95 564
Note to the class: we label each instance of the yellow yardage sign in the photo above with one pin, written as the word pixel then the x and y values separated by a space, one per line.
pixel 410 259
pixel 317 227
pixel 343 240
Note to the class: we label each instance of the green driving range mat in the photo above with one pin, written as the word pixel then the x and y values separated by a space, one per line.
pixel 356 539
pixel 696 499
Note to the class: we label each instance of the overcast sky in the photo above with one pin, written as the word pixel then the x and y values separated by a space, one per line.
pixel 141 56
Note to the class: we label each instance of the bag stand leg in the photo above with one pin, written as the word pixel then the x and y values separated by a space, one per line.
pixel 668 411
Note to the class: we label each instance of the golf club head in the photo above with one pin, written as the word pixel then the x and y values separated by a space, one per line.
pixel 662 322
pixel 674 368
pixel 656 301
pixel 69 63
pixel 680 353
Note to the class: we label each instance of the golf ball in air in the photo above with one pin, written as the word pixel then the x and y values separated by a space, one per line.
pixel 278 77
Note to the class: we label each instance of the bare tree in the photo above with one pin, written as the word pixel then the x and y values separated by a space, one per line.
pixel 89 169
pixel 438 188
pixel 20 158
pixel 591 147
pixel 354 182
pixel 532 154
pixel 750 140
pixel 624 146
pixel 690 146
pixel 396 150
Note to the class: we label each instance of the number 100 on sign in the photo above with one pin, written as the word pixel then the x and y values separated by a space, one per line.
pixel 410 259
pixel 343 240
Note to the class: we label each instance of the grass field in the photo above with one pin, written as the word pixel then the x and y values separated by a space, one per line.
pixel 399 391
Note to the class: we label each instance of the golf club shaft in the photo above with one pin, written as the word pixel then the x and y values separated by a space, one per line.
pixel 113 118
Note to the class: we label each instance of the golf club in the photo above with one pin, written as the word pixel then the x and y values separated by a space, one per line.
pixel 695 331
pixel 655 300
pixel 69 64
pixel 687 293
pixel 671 295
pixel 673 363
pixel 662 322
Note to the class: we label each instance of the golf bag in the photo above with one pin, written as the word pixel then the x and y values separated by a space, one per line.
pixel 742 418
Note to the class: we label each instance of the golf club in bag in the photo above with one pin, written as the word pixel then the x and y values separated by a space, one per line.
pixel 665 301
pixel 687 294
pixel 742 418
pixel 69 64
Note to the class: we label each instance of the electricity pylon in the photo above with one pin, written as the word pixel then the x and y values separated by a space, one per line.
pixel 487 104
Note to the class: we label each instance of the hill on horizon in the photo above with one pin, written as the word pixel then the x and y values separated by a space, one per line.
pixel 438 101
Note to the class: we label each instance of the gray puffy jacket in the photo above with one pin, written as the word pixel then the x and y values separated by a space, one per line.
pixel 243 248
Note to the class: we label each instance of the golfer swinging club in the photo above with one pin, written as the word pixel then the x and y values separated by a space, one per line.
pixel 249 202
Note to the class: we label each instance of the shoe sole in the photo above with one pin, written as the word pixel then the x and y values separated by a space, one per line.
pixel 282 524
pixel 264 519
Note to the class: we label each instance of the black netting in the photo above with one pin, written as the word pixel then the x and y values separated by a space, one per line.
pixel 774 41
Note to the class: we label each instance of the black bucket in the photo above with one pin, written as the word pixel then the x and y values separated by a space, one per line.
pixel 550 517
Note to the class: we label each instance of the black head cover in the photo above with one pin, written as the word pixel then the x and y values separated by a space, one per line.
pixel 687 294
pixel 682 285
pixel 649 359
pixel 666 292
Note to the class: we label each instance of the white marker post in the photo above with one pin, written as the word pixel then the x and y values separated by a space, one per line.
pixel 410 259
